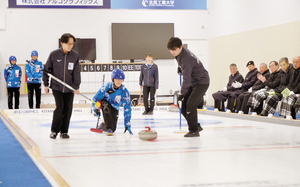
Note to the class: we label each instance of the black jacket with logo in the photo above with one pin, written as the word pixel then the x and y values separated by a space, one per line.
pixel 64 67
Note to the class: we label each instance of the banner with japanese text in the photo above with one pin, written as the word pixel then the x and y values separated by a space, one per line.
pixel 110 4
pixel 96 4
pixel 158 4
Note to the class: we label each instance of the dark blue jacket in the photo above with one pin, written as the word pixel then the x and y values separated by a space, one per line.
pixel 149 76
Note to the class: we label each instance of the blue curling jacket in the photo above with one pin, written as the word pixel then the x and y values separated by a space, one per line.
pixel 12 75
pixel 116 99
pixel 34 75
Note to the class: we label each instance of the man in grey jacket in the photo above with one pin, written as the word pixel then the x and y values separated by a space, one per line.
pixel 194 85
pixel 62 63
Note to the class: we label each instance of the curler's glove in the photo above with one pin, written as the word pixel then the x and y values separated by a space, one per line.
pixel 97 112
pixel 181 97
pixel 179 100
pixel 179 71
pixel 128 128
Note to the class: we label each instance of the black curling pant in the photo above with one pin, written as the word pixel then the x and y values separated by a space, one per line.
pixel 110 115
pixel 241 104
pixel 31 89
pixel 220 105
pixel 232 99
pixel 220 97
pixel 11 92
pixel 190 103
pixel 146 91
pixel 62 112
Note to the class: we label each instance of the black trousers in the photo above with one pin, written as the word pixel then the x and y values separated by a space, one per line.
pixel 190 103
pixel 31 89
pixel 62 112
pixel 110 115
pixel 231 103
pixel 241 104
pixel 219 105
pixel 11 92
pixel 146 91
pixel 220 97
pixel 232 99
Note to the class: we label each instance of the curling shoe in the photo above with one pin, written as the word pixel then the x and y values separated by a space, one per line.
pixel 101 126
pixel 64 135
pixel 150 113
pixel 192 134
pixel 53 135
pixel 145 113
pixel 199 127
pixel 109 132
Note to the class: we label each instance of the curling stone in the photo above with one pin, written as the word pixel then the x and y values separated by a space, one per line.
pixel 148 134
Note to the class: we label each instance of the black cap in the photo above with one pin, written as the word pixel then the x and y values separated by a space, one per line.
pixel 250 63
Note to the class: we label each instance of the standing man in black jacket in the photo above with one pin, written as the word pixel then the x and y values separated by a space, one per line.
pixel 194 85
pixel 149 83
pixel 62 63
pixel 221 96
